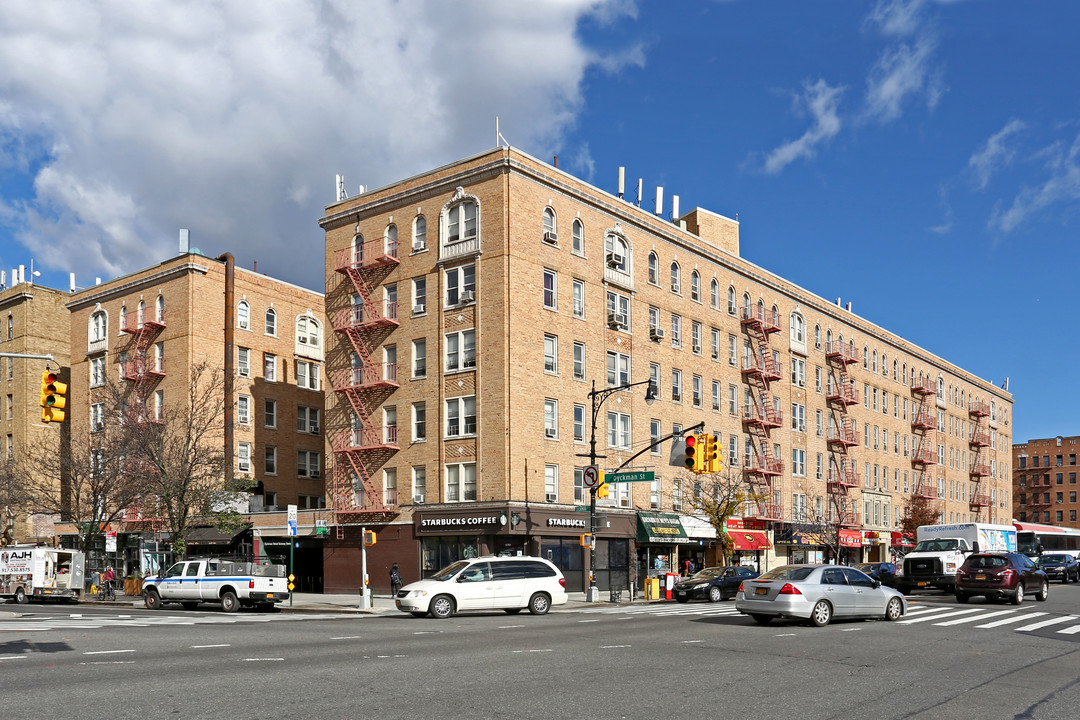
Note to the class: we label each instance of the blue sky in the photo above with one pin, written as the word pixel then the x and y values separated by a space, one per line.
pixel 917 158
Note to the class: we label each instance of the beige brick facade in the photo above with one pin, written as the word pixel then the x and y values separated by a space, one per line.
pixel 518 459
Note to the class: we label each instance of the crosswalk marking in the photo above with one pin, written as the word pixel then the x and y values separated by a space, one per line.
pixel 940 615
pixel 975 617
pixel 1070 630
pixel 1006 621
pixel 1045 623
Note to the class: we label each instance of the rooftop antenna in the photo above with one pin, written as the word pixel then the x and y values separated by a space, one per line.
pixel 184 237
pixel 675 209
pixel 71 282
pixel 339 188
pixel 3 278
pixel 499 139
pixel 622 182
pixel 640 191
pixel 659 200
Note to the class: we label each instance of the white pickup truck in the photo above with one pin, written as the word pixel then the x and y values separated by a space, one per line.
pixel 232 584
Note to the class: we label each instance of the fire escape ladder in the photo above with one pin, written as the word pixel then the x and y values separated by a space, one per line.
pixel 763 473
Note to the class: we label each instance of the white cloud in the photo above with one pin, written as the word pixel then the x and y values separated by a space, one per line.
pixel 1063 185
pixel 821 101
pixel 902 71
pixel 897 17
pixel 232 119
pixel 994 154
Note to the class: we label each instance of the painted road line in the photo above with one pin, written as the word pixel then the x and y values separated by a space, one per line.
pixel 1006 621
pixel 530 651
pixel 199 647
pixel 106 652
pixel 109 662
pixel 12 657
pixel 1067 631
pixel 976 618
pixel 940 616
pixel 508 627
pixel 264 659
pixel 1045 623
pixel 686 642
pixel 348 637
pixel 581 621
pixel 612 647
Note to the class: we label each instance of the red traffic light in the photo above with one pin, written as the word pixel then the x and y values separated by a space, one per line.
pixel 691 440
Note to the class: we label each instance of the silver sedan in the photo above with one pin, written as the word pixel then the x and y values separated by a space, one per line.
pixel 817 593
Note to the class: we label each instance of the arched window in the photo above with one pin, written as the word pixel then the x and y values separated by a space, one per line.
pixel 243 315
pixel 851 347
pixel 99 326
pixel 866 357
pixel 617 253
pixel 828 341
pixel 714 294
pixel 577 230
pixel 308 331
pixel 357 248
pixel 123 318
pixel 941 387
pixel 817 336
pixel 461 222
pixel 676 278
pixel 391 240
pixel 159 309
pixel 549 224
pixel 798 329
pixel 884 366
pixel 895 365
pixel 695 286
pixel 873 361
pixel 419 233
pixel 654 269
pixel 732 307
pixel 776 316
pixel 746 304
pixel 271 322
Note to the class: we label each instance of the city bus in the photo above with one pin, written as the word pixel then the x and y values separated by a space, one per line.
pixel 1033 539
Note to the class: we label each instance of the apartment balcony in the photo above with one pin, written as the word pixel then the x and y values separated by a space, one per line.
pixel 838 352
pixel 367 377
pixel 763 416
pixel 761 465
pixel 978 408
pixel 367 316
pixel 373 253
pixel 758 317
pixel 925 419
pixel 843 393
pixel 765 368
pixel 843 436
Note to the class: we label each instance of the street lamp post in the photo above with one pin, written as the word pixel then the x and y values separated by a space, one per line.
pixel 597 397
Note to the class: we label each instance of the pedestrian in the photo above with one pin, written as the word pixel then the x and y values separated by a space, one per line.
pixel 395 579
pixel 109 577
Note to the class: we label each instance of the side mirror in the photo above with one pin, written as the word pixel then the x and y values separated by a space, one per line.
pixel 877 583
pixel 975 546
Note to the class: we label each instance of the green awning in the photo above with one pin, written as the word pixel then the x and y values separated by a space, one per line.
pixel 662 528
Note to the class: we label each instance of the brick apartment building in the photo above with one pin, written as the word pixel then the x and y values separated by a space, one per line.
pixel 1045 481
pixel 149 329
pixel 474 306
pixel 33 321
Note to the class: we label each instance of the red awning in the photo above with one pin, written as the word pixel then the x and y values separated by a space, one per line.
pixel 850 538
pixel 902 539
pixel 749 540
pixel 1035 527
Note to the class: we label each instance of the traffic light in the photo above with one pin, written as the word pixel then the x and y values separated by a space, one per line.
pixel 603 489
pixel 52 397
pixel 369 538
pixel 694 453
pixel 711 456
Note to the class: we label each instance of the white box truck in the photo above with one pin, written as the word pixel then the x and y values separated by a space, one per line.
pixel 940 550
pixel 40 573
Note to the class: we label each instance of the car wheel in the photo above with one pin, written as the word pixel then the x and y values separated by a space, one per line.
pixel 681 599
pixel 1044 592
pixel 962 597
pixel 229 603
pixel 821 614
pixel 153 600
pixel 511 611
pixel 539 603
pixel 190 605
pixel 715 595
pixel 442 607
pixel 894 610
pixel 418 613
pixel 1018 596
pixel 762 619
pixel 20 597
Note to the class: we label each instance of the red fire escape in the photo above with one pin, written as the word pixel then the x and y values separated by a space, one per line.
pixel 843 470
pixel 763 471
pixel 980 469
pixel 362 447
pixel 924 425
pixel 142 369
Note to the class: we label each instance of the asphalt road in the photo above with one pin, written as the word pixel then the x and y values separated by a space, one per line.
pixel 646 661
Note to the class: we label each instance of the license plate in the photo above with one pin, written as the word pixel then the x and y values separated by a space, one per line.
pixel 980 577
pixel 681 593
pixel 269 595
pixel 923 583
pixel 761 591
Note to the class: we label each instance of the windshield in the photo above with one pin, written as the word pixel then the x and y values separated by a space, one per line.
pixel 787 572
pixel 709 573
pixel 1052 559
pixel 867 567
pixel 450 570
pixel 944 545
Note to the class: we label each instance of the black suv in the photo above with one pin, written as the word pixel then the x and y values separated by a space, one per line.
pixel 1001 575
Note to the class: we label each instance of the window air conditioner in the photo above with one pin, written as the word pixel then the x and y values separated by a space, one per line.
pixel 418 499
pixel 656 334
pixel 676 506
pixel 614 260
pixel 616 320
pixel 716 356
pixel 549 432
pixel 314 473
pixel 417 246
pixel 313 430
pixel 551 497
pixel 419 309
pixel 468 296
pixel 551 238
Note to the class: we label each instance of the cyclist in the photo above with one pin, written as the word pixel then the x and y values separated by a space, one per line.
pixel 109 578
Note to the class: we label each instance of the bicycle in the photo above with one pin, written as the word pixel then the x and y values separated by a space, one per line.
pixel 107 591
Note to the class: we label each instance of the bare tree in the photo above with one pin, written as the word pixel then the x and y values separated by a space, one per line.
pixel 717 497
pixel 12 499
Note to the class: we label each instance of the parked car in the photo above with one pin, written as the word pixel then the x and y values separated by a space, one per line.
pixel 486 583
pixel 1001 575
pixel 818 593
pixel 712 583
pixel 883 571
pixel 1059 565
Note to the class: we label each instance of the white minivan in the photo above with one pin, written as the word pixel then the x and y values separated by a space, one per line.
pixel 509 583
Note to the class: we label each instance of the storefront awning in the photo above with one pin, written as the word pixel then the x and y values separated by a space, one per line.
pixel 210 536
pixel 697 528
pixel 749 540
pixel 850 538
pixel 661 528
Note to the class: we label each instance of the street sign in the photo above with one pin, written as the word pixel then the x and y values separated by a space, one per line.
pixel 591 478
pixel 110 541
pixel 292 514
pixel 292 528
pixel 634 476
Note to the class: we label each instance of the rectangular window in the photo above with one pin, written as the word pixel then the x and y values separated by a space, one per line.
pixel 243 457
pixel 460 350
pixel 676 385
pixel 654 436
pixel 579 298
pixel 618 430
pixel 733 400
pixel 307 464
pixel 618 310
pixel 551 419
pixel 798 417
pixel 618 369
pixel 715 335
pixel 419 483
pixel 551 279
pixel 676 331
pixel 798 462
pixel 269 367
pixel 579 423
pixel 698 391
pixel 579 485
pixel 695 337
pixel 654 377
pixel 243 409
pixel 270 460
pixel 97 414
pixel 551 483
pixel 97 370
pixel 579 361
pixel 461 416
pixel 307 375
pixel 817 380
pixel 270 413
pixel 819 423
pixel 243 362
pixel 419 294
pixel 551 354
pixel 419 422
pixel 716 395
pixel 798 372
pixel 732 350
pixel 461 482
pixel 419 358
pixel 461 285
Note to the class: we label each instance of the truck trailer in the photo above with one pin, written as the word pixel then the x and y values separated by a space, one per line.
pixel 30 572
